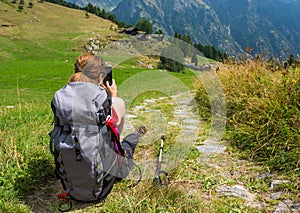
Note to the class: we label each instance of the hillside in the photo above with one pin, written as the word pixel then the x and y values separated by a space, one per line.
pixel 38 47
pixel 44 40
pixel 269 27
pixel 40 26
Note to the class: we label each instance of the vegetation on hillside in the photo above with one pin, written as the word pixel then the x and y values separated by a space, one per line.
pixel 263 112
pixel 37 56
pixel 89 8
pixel 144 25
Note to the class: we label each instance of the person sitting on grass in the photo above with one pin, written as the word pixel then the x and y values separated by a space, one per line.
pixel 91 68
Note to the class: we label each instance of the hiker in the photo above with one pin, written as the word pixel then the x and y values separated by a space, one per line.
pixel 118 105
pixel 82 126
pixel 95 74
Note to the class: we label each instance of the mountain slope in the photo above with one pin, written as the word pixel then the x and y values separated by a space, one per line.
pixel 105 4
pixel 229 25
pixel 46 29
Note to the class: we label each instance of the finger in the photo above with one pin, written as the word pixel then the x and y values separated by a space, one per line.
pixel 113 82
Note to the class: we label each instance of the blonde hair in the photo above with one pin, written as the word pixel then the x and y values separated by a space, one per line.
pixel 81 61
pixel 75 77
pixel 88 68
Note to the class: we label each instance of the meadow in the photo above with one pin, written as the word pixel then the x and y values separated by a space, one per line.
pixel 37 57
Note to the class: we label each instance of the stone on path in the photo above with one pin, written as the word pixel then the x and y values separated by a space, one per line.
pixel 211 148
pixel 236 191
pixel 128 116
pixel 287 206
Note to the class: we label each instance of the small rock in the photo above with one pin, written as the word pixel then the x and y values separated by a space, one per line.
pixel 172 123
pixel 137 108
pixel 152 110
pixel 296 207
pixel 211 148
pixel 190 127
pixel 284 206
pixel 150 101
pixel 255 205
pixel 130 116
pixel 180 112
pixel 275 196
pixel 236 191
pixel 213 165
pixel 193 192
pixel 278 182
pixel 191 121
pixel 264 176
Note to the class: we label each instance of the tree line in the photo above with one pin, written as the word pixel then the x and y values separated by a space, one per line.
pixel 172 57
pixel 181 50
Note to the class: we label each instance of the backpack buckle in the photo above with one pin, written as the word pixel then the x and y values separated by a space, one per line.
pixel 64 202
pixel 77 148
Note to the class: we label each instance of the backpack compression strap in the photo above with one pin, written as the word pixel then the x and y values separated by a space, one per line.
pixel 110 124
pixel 119 149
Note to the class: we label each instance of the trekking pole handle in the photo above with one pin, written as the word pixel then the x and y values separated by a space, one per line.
pixel 161 148
pixel 159 172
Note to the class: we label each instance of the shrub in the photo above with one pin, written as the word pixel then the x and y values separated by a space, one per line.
pixel 263 112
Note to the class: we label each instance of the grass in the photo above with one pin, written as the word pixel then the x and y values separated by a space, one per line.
pixel 203 60
pixel 262 114
pixel 36 59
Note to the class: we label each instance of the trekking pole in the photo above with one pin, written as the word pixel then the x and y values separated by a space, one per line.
pixel 159 172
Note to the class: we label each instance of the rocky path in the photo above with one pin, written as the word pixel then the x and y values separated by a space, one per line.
pixel 238 178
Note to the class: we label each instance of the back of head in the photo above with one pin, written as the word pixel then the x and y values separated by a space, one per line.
pixel 75 77
pixel 81 61
pixel 89 68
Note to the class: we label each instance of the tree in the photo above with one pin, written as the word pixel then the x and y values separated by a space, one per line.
pixel 122 24
pixel 144 25
pixel 291 60
pixel 187 39
pixel 20 8
pixel 172 59
pixel 185 46
pixel 177 35
pixel 30 5
pixel 159 31
pixel 112 18
pixel 103 14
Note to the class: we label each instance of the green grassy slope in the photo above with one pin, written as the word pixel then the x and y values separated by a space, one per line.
pixel 41 40
pixel 37 52
pixel 38 47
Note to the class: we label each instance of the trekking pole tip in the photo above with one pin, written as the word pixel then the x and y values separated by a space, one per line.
pixel 163 137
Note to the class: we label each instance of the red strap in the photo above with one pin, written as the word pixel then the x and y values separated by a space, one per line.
pixel 110 123
pixel 63 197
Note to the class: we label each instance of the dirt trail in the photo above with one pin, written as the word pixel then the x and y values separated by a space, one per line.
pixel 236 177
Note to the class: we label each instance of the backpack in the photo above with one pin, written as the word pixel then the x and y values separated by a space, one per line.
pixel 85 148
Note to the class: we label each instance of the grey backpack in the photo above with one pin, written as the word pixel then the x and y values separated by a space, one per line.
pixel 83 145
